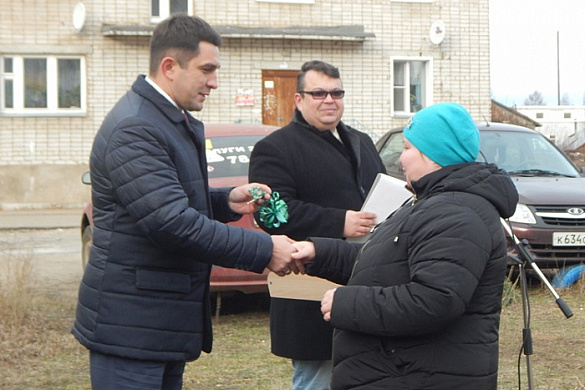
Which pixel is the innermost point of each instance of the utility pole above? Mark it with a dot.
(558, 74)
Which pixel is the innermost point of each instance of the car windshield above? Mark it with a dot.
(524, 154)
(519, 153)
(229, 156)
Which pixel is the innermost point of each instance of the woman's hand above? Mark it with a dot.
(305, 252)
(327, 304)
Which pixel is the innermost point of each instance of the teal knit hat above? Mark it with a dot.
(445, 133)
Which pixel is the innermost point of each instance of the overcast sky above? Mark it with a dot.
(523, 45)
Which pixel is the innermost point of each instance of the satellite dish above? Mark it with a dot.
(437, 32)
(79, 16)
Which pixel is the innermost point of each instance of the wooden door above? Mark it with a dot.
(278, 89)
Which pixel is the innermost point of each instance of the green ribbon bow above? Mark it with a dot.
(274, 211)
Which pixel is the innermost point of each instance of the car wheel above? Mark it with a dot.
(86, 241)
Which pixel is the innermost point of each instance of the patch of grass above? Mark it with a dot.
(38, 351)
(41, 353)
(16, 287)
(511, 292)
(558, 359)
(241, 357)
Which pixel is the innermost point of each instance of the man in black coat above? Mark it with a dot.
(143, 308)
(323, 170)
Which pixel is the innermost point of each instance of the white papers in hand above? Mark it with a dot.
(386, 195)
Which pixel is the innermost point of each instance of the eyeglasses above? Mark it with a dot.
(321, 95)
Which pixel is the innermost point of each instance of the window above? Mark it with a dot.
(35, 85)
(519, 152)
(288, 1)
(161, 9)
(412, 85)
(229, 156)
(390, 153)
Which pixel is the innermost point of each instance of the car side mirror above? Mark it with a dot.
(86, 178)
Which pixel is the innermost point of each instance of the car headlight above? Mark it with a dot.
(523, 215)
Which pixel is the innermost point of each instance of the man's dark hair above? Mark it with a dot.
(179, 36)
(317, 66)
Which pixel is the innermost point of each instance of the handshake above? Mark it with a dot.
(290, 256)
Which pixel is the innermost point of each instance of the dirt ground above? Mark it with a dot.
(55, 256)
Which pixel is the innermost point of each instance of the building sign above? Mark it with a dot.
(244, 97)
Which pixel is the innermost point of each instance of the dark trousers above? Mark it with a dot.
(116, 373)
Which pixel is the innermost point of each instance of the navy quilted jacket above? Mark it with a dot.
(145, 290)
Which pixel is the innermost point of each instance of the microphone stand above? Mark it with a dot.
(525, 257)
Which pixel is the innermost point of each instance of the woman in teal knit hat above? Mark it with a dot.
(420, 303)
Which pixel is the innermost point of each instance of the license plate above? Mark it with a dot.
(569, 239)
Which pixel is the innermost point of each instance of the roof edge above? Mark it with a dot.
(331, 33)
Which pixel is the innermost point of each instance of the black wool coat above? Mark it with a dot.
(319, 178)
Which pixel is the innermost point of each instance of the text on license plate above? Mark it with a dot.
(569, 239)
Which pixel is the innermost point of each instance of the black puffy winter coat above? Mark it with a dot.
(145, 290)
(422, 304)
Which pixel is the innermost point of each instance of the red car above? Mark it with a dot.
(228, 148)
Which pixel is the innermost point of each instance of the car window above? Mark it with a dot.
(229, 156)
(520, 152)
(390, 153)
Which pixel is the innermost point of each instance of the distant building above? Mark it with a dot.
(563, 124)
(504, 114)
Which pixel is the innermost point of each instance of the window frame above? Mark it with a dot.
(287, 1)
(428, 84)
(164, 10)
(412, 1)
(18, 88)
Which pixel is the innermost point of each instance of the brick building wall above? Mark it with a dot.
(42, 157)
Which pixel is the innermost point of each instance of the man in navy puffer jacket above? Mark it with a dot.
(143, 308)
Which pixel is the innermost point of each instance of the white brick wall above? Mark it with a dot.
(460, 63)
